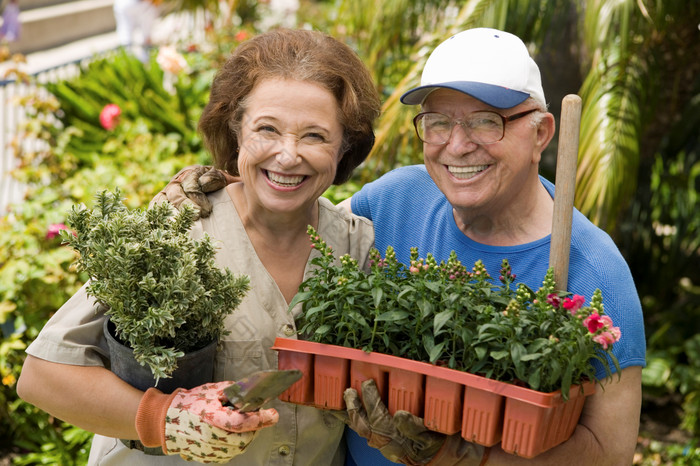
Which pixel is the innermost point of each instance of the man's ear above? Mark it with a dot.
(545, 131)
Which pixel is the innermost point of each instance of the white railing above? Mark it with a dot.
(13, 116)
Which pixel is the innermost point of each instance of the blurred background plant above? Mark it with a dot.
(634, 63)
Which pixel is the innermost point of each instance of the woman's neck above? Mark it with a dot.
(280, 241)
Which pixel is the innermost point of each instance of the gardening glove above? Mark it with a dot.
(403, 438)
(196, 425)
(191, 185)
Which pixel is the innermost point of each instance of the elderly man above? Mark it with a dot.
(484, 124)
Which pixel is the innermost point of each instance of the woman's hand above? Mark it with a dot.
(196, 425)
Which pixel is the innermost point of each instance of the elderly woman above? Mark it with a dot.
(290, 113)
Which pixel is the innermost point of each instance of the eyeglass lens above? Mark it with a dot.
(481, 127)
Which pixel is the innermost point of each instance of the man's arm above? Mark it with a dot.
(346, 204)
(606, 433)
(191, 185)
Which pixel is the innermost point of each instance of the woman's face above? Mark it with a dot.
(290, 140)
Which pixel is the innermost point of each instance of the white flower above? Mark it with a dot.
(170, 60)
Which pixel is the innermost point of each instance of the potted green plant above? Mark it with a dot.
(164, 295)
(501, 357)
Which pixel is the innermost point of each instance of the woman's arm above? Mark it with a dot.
(89, 397)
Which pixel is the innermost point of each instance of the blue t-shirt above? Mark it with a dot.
(409, 210)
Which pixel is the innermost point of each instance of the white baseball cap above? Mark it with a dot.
(490, 65)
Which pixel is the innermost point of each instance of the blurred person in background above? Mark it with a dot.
(11, 27)
(135, 20)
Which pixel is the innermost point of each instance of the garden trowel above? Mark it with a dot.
(250, 393)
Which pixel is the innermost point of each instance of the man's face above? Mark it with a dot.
(483, 178)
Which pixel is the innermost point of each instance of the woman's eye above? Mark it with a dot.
(266, 129)
(318, 137)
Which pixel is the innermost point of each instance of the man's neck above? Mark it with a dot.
(520, 222)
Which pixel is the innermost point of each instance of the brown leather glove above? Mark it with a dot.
(191, 185)
(403, 438)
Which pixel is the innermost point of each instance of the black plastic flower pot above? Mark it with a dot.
(193, 369)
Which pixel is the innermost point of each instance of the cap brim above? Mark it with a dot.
(495, 96)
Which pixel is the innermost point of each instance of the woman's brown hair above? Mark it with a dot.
(300, 55)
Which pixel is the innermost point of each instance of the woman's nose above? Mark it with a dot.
(287, 155)
(287, 158)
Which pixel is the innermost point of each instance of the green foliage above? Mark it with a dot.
(443, 314)
(35, 279)
(656, 453)
(140, 93)
(657, 234)
(59, 170)
(165, 294)
(338, 193)
(662, 242)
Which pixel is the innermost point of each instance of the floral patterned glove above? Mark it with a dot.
(195, 424)
(191, 185)
(403, 438)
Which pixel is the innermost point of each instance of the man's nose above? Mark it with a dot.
(460, 140)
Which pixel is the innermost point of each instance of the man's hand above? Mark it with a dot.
(196, 425)
(403, 438)
(191, 185)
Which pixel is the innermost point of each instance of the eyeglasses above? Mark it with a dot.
(483, 127)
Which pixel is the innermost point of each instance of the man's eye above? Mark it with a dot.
(484, 122)
(438, 124)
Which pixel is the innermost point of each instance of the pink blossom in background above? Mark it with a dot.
(54, 230)
(109, 116)
(170, 60)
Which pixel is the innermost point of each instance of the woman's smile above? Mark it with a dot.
(284, 181)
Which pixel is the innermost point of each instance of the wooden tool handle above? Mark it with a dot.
(567, 158)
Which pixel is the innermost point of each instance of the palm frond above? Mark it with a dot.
(609, 147)
(395, 139)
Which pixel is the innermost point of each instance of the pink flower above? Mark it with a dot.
(414, 269)
(607, 321)
(554, 300)
(607, 338)
(54, 230)
(593, 322)
(574, 304)
(241, 36)
(109, 116)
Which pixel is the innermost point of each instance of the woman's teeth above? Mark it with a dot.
(286, 181)
(464, 173)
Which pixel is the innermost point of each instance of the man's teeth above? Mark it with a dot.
(283, 180)
(466, 172)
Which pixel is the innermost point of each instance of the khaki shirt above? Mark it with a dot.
(303, 435)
